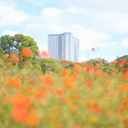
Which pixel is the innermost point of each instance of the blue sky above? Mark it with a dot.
(96, 23)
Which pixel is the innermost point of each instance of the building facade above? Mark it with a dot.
(63, 47)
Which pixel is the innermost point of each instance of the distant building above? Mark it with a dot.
(63, 46)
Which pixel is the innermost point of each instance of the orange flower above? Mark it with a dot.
(59, 91)
(65, 72)
(123, 88)
(48, 80)
(89, 84)
(88, 69)
(82, 64)
(57, 110)
(20, 114)
(5, 57)
(7, 73)
(26, 63)
(33, 119)
(69, 82)
(40, 95)
(21, 105)
(27, 53)
(126, 76)
(15, 82)
(113, 62)
(86, 126)
(45, 54)
(15, 57)
(74, 126)
(24, 111)
(30, 79)
(108, 82)
(121, 64)
(9, 64)
(98, 74)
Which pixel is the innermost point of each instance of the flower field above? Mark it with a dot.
(84, 96)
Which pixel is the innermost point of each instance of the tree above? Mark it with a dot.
(122, 62)
(125, 57)
(95, 61)
(7, 44)
(16, 43)
(50, 65)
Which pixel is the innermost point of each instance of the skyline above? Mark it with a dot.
(99, 25)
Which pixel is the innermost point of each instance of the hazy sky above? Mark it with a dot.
(97, 23)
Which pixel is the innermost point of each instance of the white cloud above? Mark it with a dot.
(9, 15)
(88, 37)
(51, 12)
(125, 42)
(123, 27)
(43, 47)
(12, 33)
(98, 5)
(82, 59)
(38, 2)
(9, 32)
(76, 10)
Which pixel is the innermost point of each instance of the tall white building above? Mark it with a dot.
(63, 46)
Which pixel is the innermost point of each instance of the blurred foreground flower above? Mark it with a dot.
(24, 110)
(5, 57)
(26, 63)
(15, 57)
(27, 53)
(65, 61)
(45, 54)
(9, 64)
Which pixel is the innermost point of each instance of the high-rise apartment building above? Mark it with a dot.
(63, 46)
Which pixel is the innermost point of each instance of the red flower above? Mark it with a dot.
(65, 61)
(124, 62)
(93, 49)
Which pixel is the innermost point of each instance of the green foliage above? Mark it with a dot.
(22, 42)
(50, 65)
(96, 61)
(108, 67)
(120, 60)
(67, 64)
(1, 52)
(16, 43)
(2, 64)
(125, 57)
(7, 44)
